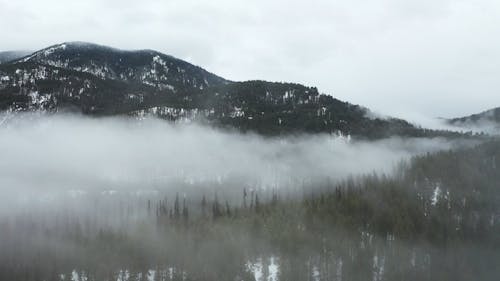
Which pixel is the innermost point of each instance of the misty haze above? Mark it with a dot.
(249, 141)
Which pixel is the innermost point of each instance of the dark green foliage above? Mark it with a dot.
(373, 228)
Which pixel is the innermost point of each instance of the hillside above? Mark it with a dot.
(488, 121)
(99, 80)
(12, 55)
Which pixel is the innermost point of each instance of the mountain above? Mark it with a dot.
(100, 80)
(491, 115)
(12, 55)
(97, 79)
(144, 66)
(488, 121)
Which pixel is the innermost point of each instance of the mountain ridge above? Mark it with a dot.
(8, 56)
(485, 121)
(101, 80)
(492, 114)
(148, 66)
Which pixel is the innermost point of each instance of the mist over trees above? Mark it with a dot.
(422, 210)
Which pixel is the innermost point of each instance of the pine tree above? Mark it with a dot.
(244, 198)
(185, 214)
(228, 209)
(204, 207)
(257, 204)
(177, 209)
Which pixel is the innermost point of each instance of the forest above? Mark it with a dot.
(435, 217)
(249, 140)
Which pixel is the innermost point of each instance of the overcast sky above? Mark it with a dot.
(404, 58)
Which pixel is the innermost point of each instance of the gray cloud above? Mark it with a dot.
(432, 58)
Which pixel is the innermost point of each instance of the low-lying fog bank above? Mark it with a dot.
(77, 154)
(115, 199)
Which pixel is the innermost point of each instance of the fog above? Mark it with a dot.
(77, 153)
(55, 162)
(479, 126)
(115, 197)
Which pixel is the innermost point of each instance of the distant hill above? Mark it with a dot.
(12, 55)
(488, 121)
(100, 80)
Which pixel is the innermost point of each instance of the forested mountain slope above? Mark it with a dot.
(488, 121)
(99, 80)
(12, 55)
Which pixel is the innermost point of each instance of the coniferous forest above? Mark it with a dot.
(436, 217)
(135, 165)
(249, 140)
